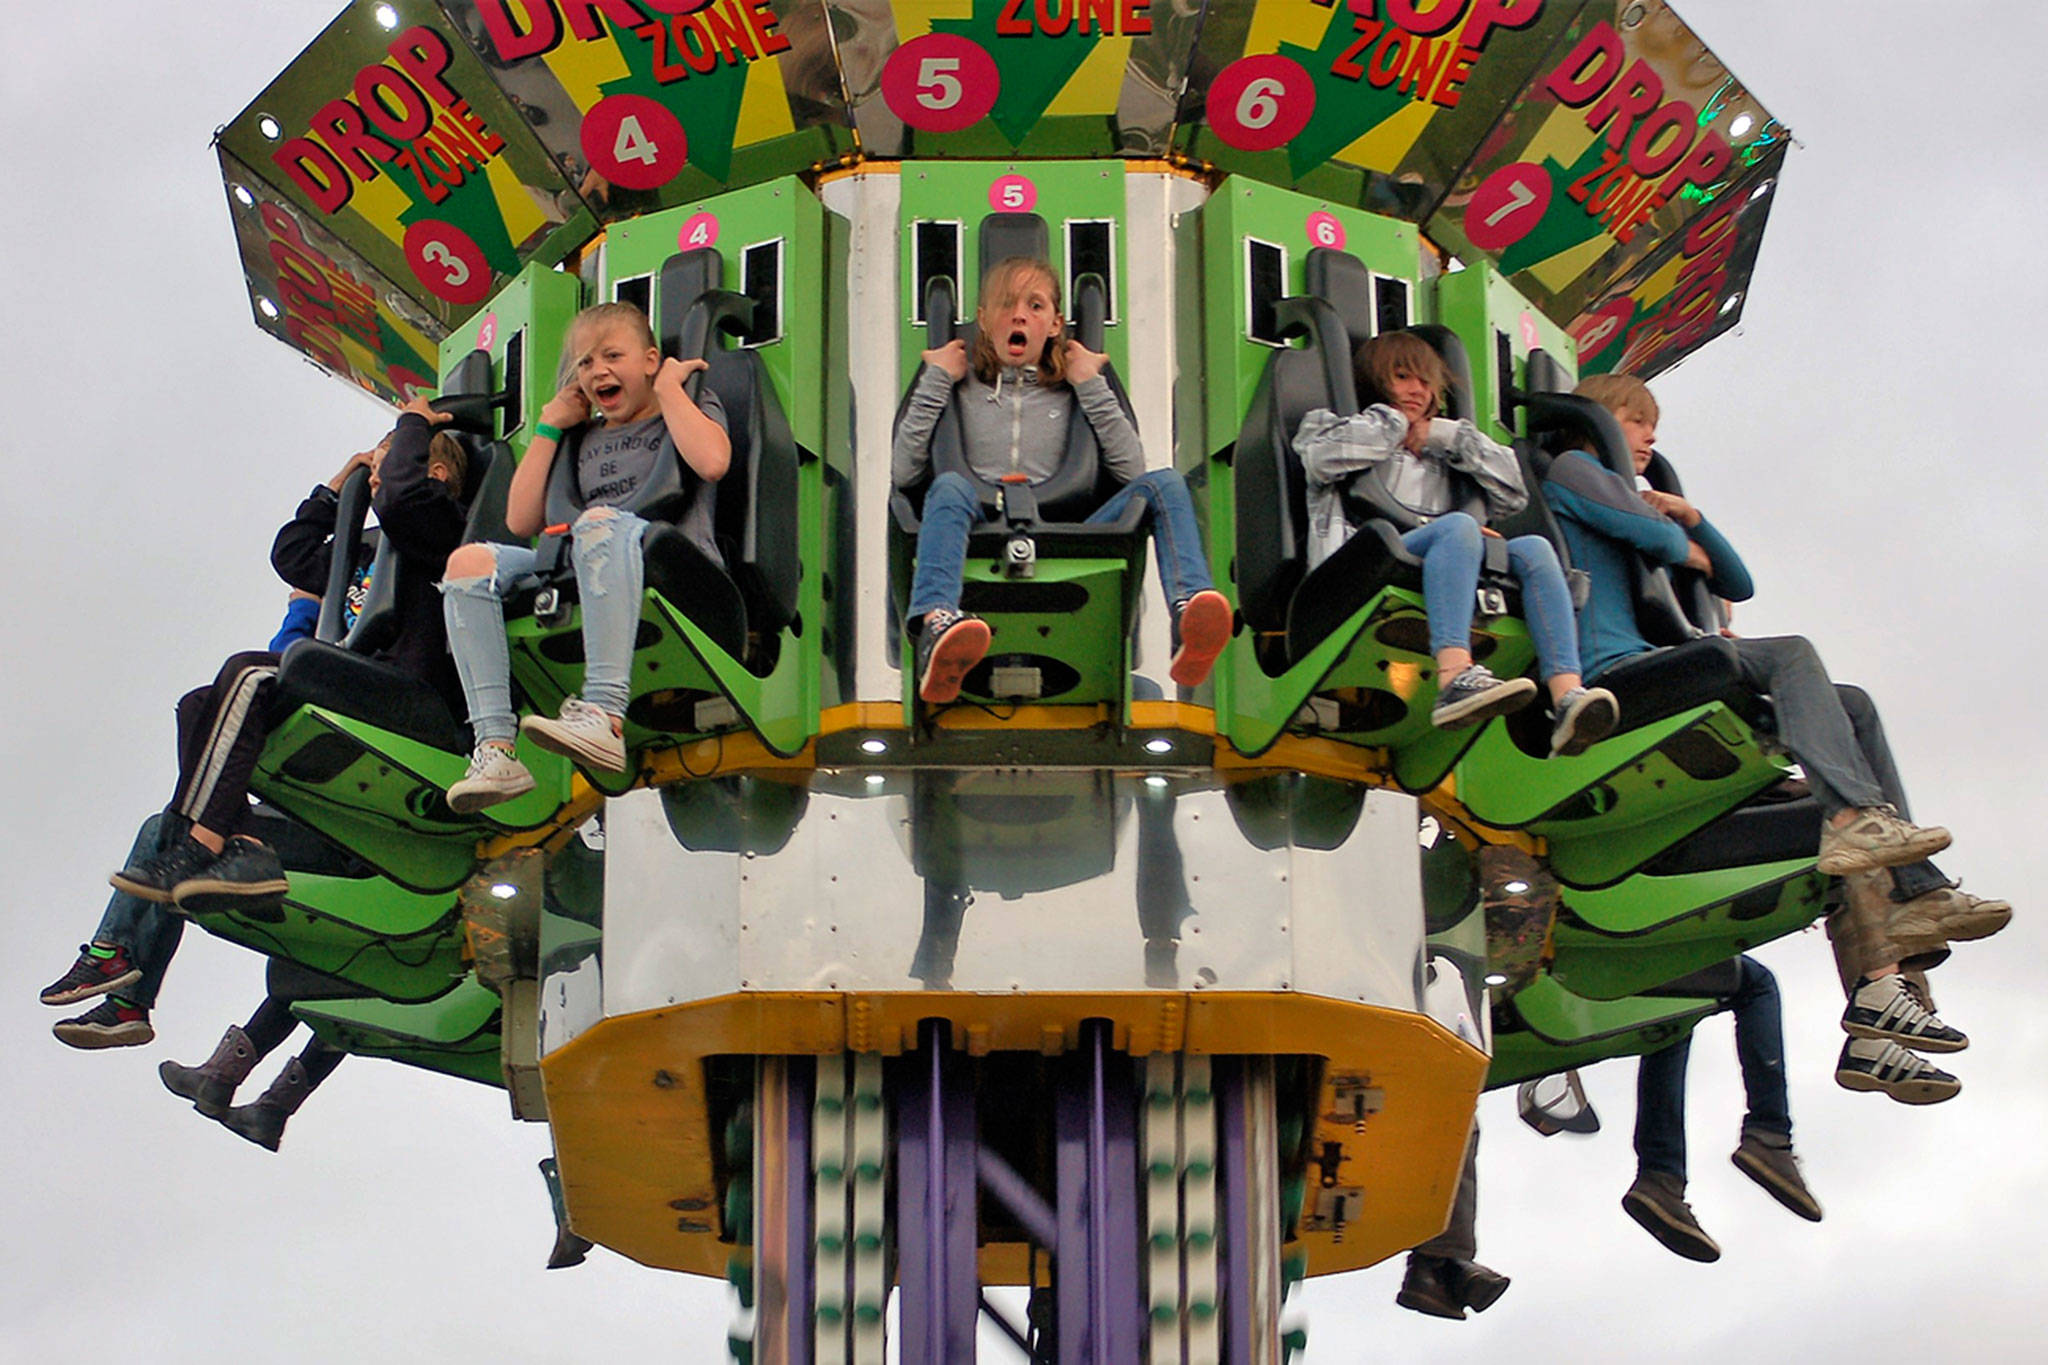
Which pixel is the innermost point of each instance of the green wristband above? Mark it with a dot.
(543, 429)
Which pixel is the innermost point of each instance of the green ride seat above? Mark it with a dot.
(1060, 595)
(456, 1033)
(1545, 1028)
(720, 648)
(363, 752)
(1744, 880)
(1350, 635)
(343, 922)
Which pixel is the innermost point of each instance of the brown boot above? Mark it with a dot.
(211, 1085)
(263, 1122)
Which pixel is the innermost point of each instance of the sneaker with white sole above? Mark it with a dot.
(1879, 1064)
(1201, 628)
(1585, 716)
(1886, 1008)
(1951, 914)
(494, 775)
(949, 645)
(1876, 837)
(113, 1022)
(92, 975)
(582, 732)
(1476, 696)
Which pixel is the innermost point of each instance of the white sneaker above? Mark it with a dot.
(493, 776)
(582, 732)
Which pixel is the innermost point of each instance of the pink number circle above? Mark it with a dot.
(940, 83)
(447, 261)
(1604, 326)
(487, 332)
(634, 142)
(1325, 230)
(1259, 103)
(1507, 206)
(701, 229)
(1012, 194)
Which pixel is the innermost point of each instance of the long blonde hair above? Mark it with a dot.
(999, 289)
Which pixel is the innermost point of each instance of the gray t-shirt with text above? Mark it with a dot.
(612, 463)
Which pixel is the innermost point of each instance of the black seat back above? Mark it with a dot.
(755, 518)
(1542, 375)
(1082, 481)
(1695, 598)
(1271, 490)
(1341, 280)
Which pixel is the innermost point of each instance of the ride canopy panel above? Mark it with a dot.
(414, 158)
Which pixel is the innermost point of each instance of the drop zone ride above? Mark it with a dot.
(1154, 1000)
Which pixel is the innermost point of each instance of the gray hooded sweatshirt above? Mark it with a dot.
(1014, 426)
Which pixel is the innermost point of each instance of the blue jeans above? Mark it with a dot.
(605, 546)
(1452, 549)
(148, 931)
(952, 506)
(1759, 1046)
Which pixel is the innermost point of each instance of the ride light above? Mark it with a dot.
(387, 17)
(1159, 745)
(1760, 191)
(876, 779)
(1729, 306)
(269, 127)
(1514, 888)
(266, 307)
(874, 746)
(242, 196)
(1743, 123)
(504, 891)
(1155, 781)
(1496, 978)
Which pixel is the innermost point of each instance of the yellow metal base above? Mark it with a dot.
(627, 1103)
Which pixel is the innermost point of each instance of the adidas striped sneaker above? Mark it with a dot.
(1885, 1008)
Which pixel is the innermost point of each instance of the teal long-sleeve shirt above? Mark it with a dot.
(1604, 520)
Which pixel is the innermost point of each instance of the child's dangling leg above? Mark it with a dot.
(1583, 715)
(950, 642)
(472, 603)
(605, 543)
(1467, 693)
(1201, 615)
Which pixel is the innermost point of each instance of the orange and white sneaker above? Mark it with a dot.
(949, 647)
(1201, 628)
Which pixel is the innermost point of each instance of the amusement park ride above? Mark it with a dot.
(1153, 1003)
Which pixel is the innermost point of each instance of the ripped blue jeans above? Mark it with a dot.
(605, 547)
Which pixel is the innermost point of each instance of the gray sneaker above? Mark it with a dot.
(1585, 716)
(1475, 696)
(1880, 1064)
(1875, 838)
(1657, 1201)
(1768, 1160)
(1949, 914)
(582, 732)
(494, 775)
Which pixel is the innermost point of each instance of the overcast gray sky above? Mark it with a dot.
(1864, 439)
